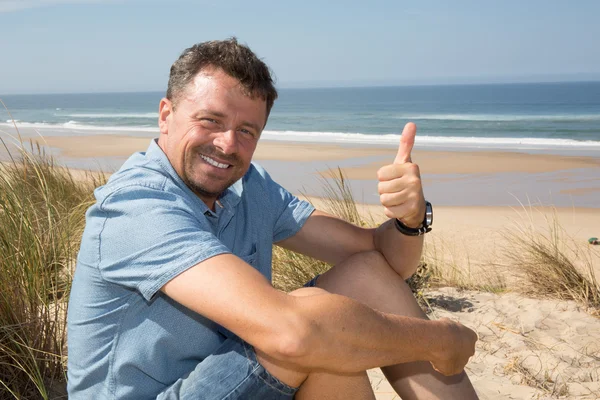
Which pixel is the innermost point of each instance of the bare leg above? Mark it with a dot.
(368, 278)
(318, 385)
(325, 386)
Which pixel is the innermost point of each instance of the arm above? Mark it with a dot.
(324, 330)
(332, 240)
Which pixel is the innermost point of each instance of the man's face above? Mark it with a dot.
(212, 133)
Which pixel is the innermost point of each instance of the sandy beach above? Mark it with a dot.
(529, 348)
(430, 162)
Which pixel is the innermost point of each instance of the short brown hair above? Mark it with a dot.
(235, 59)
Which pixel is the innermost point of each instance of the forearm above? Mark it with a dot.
(339, 334)
(402, 252)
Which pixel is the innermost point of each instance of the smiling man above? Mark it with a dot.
(172, 295)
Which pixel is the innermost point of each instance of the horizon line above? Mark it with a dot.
(333, 86)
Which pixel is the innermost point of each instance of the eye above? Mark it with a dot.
(247, 132)
(209, 122)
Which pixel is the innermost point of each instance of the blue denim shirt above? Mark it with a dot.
(126, 338)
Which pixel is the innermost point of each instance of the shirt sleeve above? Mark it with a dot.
(290, 213)
(150, 236)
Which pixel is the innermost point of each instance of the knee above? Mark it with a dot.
(375, 261)
(359, 269)
(371, 262)
(373, 257)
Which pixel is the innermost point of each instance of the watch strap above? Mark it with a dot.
(411, 231)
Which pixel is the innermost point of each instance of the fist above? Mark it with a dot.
(400, 189)
(456, 346)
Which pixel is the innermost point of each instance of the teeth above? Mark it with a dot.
(213, 162)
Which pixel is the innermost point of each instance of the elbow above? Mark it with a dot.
(291, 342)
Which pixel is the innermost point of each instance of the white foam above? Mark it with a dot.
(499, 117)
(392, 139)
(116, 115)
(357, 138)
(74, 125)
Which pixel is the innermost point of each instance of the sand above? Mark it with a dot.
(99, 146)
(528, 348)
(483, 162)
(450, 178)
(431, 162)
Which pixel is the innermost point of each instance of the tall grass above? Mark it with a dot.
(292, 270)
(452, 266)
(552, 264)
(42, 211)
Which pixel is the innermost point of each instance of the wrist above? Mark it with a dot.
(411, 224)
(432, 346)
(439, 346)
(412, 229)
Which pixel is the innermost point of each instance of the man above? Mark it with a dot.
(172, 295)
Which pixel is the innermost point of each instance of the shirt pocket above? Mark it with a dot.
(251, 257)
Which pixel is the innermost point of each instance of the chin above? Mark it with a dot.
(205, 188)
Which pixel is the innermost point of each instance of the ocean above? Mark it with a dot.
(514, 116)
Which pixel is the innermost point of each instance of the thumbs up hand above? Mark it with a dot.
(400, 189)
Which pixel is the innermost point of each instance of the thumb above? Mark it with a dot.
(407, 141)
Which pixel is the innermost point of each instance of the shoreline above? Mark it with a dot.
(532, 145)
(82, 145)
(466, 177)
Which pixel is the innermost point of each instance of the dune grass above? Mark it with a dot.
(42, 211)
(452, 266)
(552, 264)
(292, 270)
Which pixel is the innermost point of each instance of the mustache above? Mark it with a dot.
(213, 152)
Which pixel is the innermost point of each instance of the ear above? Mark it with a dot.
(165, 110)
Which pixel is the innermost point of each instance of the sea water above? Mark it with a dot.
(512, 116)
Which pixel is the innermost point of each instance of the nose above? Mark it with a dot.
(227, 141)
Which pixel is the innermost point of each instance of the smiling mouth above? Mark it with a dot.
(214, 163)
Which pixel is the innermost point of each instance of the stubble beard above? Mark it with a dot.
(201, 189)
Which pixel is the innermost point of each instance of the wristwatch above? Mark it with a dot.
(425, 225)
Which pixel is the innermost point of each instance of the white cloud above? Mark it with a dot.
(15, 5)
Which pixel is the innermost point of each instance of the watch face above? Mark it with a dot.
(428, 214)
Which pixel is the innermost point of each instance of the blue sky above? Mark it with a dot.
(64, 46)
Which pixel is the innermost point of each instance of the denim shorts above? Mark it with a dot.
(312, 282)
(231, 372)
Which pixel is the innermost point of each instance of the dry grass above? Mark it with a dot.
(552, 264)
(541, 379)
(339, 200)
(453, 267)
(292, 270)
(42, 216)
